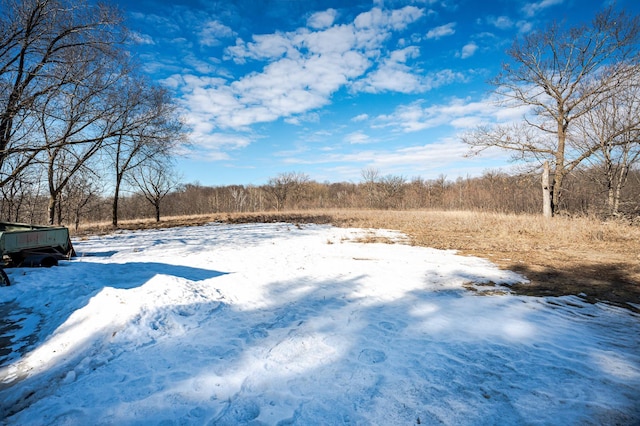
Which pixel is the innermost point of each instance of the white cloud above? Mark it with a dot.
(395, 20)
(139, 38)
(416, 159)
(500, 22)
(393, 75)
(157, 21)
(212, 32)
(442, 78)
(458, 113)
(360, 117)
(321, 20)
(442, 31)
(524, 26)
(263, 47)
(438, 153)
(357, 138)
(211, 145)
(530, 9)
(468, 50)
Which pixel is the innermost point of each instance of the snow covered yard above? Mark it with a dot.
(279, 324)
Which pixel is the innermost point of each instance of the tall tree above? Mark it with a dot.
(148, 127)
(76, 120)
(614, 128)
(558, 75)
(41, 42)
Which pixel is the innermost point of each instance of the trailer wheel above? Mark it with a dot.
(4, 279)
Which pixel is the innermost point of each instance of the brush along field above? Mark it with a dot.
(600, 261)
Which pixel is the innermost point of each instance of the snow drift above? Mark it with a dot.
(279, 324)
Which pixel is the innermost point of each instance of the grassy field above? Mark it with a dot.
(600, 261)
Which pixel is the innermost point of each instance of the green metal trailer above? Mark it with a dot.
(33, 245)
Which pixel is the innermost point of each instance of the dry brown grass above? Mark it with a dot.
(560, 256)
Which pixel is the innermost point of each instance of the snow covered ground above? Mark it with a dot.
(277, 324)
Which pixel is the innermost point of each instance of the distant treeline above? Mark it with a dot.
(494, 191)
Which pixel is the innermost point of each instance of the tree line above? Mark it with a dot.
(494, 191)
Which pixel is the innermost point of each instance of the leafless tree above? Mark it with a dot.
(239, 197)
(285, 186)
(154, 179)
(82, 195)
(42, 44)
(614, 128)
(559, 75)
(148, 127)
(392, 189)
(76, 121)
(371, 182)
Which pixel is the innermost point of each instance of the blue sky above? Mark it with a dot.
(330, 88)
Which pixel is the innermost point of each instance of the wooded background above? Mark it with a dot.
(494, 191)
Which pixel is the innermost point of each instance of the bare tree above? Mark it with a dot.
(560, 74)
(41, 41)
(285, 186)
(155, 180)
(148, 128)
(14, 195)
(614, 128)
(75, 122)
(392, 189)
(82, 195)
(371, 183)
(239, 197)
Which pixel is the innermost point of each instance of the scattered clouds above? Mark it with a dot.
(442, 31)
(417, 159)
(305, 67)
(242, 78)
(156, 21)
(458, 113)
(395, 20)
(437, 154)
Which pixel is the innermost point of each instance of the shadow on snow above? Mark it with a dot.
(322, 351)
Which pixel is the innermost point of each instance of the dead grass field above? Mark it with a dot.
(600, 261)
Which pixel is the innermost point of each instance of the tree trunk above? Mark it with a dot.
(51, 210)
(546, 192)
(619, 184)
(114, 206)
(157, 206)
(59, 208)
